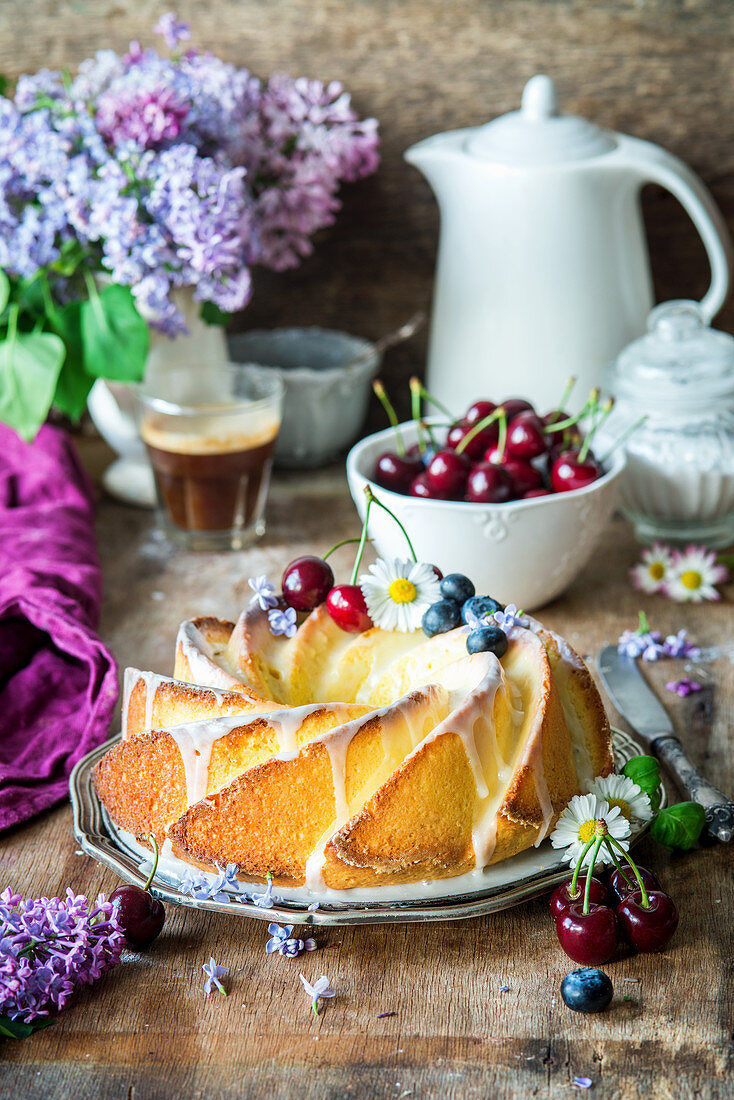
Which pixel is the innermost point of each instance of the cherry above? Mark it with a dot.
(447, 472)
(525, 436)
(516, 405)
(139, 914)
(561, 899)
(306, 582)
(619, 889)
(395, 472)
(345, 603)
(555, 417)
(531, 493)
(478, 411)
(651, 928)
(524, 476)
(456, 434)
(420, 487)
(569, 471)
(589, 938)
(478, 444)
(496, 455)
(488, 484)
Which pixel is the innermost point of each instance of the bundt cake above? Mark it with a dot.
(339, 760)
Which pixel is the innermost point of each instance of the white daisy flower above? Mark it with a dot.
(694, 574)
(398, 593)
(652, 572)
(577, 825)
(619, 790)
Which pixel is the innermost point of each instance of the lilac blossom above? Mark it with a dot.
(172, 29)
(319, 989)
(264, 592)
(213, 973)
(677, 645)
(684, 687)
(508, 618)
(284, 943)
(282, 622)
(48, 946)
(265, 901)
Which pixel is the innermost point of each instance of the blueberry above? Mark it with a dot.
(587, 990)
(455, 586)
(481, 606)
(440, 617)
(487, 639)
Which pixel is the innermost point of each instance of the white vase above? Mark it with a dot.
(112, 404)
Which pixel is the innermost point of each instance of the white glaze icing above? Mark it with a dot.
(204, 670)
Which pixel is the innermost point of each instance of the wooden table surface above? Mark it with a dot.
(147, 1030)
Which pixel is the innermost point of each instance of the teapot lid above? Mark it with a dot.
(537, 134)
(678, 363)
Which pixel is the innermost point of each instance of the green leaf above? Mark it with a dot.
(679, 826)
(29, 369)
(4, 290)
(115, 336)
(74, 384)
(16, 1029)
(70, 257)
(213, 315)
(645, 772)
(4, 83)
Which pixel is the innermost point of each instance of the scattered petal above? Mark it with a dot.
(582, 1082)
(213, 973)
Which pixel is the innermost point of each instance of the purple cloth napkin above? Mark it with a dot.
(58, 683)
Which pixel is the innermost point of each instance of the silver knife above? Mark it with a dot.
(639, 705)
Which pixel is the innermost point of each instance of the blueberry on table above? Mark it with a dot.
(587, 990)
(487, 639)
(455, 586)
(481, 606)
(441, 617)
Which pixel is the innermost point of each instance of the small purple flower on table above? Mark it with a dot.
(683, 687)
(582, 1082)
(172, 29)
(282, 622)
(677, 645)
(213, 973)
(265, 901)
(264, 590)
(285, 944)
(319, 989)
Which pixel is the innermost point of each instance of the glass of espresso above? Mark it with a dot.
(210, 438)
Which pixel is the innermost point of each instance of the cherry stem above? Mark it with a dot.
(598, 841)
(363, 536)
(372, 499)
(151, 840)
(561, 425)
(573, 889)
(622, 439)
(502, 438)
(567, 392)
(415, 409)
(618, 865)
(605, 411)
(381, 395)
(417, 385)
(429, 432)
(643, 626)
(342, 543)
(613, 841)
(479, 427)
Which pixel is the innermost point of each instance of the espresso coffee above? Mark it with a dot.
(210, 482)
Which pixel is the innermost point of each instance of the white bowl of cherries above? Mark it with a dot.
(511, 498)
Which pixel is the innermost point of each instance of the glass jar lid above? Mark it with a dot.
(678, 363)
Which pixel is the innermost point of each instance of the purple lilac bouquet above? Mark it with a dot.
(143, 174)
(48, 946)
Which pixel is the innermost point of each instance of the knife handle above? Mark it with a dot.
(719, 809)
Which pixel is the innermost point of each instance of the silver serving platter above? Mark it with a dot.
(521, 878)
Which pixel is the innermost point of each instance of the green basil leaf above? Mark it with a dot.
(679, 826)
(645, 772)
(16, 1029)
(213, 315)
(74, 384)
(29, 369)
(115, 336)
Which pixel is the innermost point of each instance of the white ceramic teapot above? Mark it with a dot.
(543, 269)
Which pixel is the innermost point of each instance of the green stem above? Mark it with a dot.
(622, 439)
(478, 427)
(342, 543)
(598, 841)
(415, 409)
(643, 626)
(152, 840)
(372, 499)
(577, 870)
(564, 398)
(315, 1007)
(429, 432)
(618, 865)
(613, 841)
(381, 395)
(363, 536)
(606, 410)
(423, 392)
(502, 437)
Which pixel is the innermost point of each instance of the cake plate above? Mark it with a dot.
(501, 886)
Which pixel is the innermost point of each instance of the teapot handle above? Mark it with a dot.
(655, 165)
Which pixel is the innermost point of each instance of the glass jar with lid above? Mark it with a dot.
(679, 482)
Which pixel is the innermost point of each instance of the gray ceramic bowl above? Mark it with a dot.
(325, 401)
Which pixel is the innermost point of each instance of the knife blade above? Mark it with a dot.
(639, 705)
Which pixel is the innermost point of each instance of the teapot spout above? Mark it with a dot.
(437, 157)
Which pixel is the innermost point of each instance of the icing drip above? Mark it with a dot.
(288, 722)
(130, 678)
(203, 669)
(195, 741)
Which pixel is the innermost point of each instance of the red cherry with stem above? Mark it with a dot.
(524, 476)
(395, 472)
(345, 603)
(479, 443)
(488, 484)
(306, 582)
(555, 417)
(455, 436)
(139, 914)
(447, 472)
(419, 487)
(525, 436)
(562, 899)
(516, 405)
(620, 889)
(478, 411)
(590, 938)
(532, 493)
(648, 928)
(569, 471)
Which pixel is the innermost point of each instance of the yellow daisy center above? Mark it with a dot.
(623, 806)
(402, 591)
(587, 830)
(691, 579)
(657, 570)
